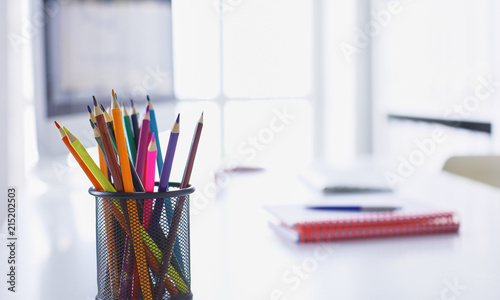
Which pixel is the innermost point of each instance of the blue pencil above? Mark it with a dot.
(154, 129)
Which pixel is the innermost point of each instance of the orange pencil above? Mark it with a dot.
(121, 144)
(84, 167)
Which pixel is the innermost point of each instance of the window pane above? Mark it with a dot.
(433, 55)
(267, 48)
(196, 49)
(269, 132)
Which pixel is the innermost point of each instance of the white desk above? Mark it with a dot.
(235, 255)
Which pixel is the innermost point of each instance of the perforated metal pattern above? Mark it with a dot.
(131, 243)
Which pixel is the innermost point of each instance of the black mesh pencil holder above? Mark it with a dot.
(133, 234)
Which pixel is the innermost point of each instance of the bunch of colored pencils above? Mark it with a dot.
(129, 154)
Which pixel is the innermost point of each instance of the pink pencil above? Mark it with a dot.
(149, 180)
(142, 148)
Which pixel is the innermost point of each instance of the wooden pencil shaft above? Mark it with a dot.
(82, 164)
(192, 154)
(135, 125)
(142, 149)
(121, 145)
(109, 152)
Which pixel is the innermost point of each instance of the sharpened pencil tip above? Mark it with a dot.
(95, 101)
(178, 116)
(89, 109)
(57, 124)
(131, 103)
(201, 118)
(114, 103)
(152, 143)
(147, 97)
(175, 128)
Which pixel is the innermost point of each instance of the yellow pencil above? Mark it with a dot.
(87, 159)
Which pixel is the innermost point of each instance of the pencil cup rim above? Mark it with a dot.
(143, 195)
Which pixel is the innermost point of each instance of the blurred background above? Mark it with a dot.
(282, 83)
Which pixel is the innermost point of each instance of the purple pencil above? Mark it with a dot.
(164, 179)
(142, 148)
(169, 157)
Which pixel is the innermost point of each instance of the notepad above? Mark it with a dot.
(301, 224)
(335, 180)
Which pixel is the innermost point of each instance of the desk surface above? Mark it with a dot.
(235, 255)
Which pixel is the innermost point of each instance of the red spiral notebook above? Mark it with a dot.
(301, 224)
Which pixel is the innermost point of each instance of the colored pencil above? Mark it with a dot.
(154, 129)
(129, 188)
(103, 164)
(164, 181)
(91, 114)
(143, 146)
(169, 157)
(155, 227)
(128, 260)
(82, 164)
(134, 117)
(121, 145)
(149, 180)
(130, 134)
(109, 124)
(179, 206)
(108, 148)
(110, 154)
(192, 154)
(113, 236)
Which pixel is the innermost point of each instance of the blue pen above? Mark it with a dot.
(354, 208)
